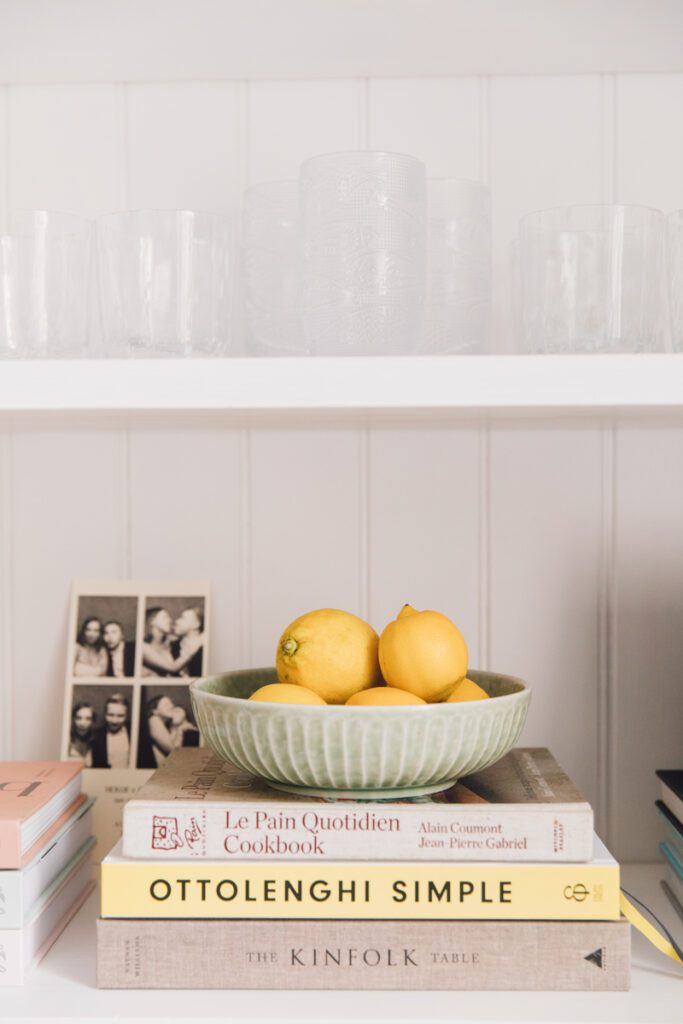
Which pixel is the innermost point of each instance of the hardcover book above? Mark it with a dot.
(543, 955)
(33, 794)
(523, 808)
(20, 948)
(340, 889)
(671, 787)
(21, 889)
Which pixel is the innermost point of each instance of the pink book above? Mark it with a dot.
(33, 795)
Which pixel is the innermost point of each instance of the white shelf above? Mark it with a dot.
(62, 990)
(507, 385)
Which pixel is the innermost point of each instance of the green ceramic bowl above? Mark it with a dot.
(358, 752)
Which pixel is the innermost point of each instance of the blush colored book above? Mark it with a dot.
(196, 806)
(589, 956)
(33, 795)
(21, 889)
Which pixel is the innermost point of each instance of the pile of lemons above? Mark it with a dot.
(330, 656)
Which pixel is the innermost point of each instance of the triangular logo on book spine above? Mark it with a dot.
(595, 958)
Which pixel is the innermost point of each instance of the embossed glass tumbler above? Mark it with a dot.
(166, 282)
(271, 269)
(363, 226)
(458, 304)
(44, 273)
(591, 279)
(675, 276)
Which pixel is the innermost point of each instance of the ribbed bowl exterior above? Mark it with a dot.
(357, 747)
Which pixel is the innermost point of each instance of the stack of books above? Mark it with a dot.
(499, 883)
(45, 869)
(670, 806)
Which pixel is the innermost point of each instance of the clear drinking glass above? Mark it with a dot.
(675, 276)
(458, 303)
(166, 282)
(363, 225)
(272, 277)
(44, 274)
(591, 279)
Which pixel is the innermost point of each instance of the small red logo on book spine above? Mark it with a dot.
(165, 834)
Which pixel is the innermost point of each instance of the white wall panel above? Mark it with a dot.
(647, 696)
(545, 584)
(4, 182)
(66, 148)
(305, 529)
(185, 521)
(185, 146)
(424, 526)
(68, 521)
(649, 142)
(6, 600)
(545, 151)
(290, 121)
(438, 120)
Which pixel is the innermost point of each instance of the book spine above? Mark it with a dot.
(11, 902)
(169, 830)
(365, 890)
(10, 844)
(532, 955)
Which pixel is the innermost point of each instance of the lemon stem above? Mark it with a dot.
(290, 646)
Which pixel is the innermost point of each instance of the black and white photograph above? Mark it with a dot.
(105, 641)
(100, 727)
(173, 638)
(166, 723)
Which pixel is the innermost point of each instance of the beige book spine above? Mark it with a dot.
(437, 955)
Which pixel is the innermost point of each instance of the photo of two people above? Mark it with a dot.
(107, 642)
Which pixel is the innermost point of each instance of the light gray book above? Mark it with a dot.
(448, 955)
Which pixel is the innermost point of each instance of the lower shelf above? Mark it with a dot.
(62, 989)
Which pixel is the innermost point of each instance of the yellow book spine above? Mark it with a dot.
(436, 891)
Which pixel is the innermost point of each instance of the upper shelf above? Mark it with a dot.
(507, 385)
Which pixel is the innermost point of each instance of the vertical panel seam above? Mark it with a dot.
(606, 698)
(7, 662)
(8, 196)
(484, 123)
(125, 148)
(608, 141)
(245, 588)
(364, 113)
(128, 501)
(484, 544)
(364, 501)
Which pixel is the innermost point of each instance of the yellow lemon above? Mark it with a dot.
(280, 693)
(467, 689)
(383, 696)
(424, 653)
(331, 652)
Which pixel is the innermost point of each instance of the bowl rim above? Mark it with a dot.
(313, 709)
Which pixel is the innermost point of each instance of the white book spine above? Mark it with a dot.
(20, 889)
(246, 831)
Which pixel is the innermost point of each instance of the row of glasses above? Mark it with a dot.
(364, 255)
(339, 263)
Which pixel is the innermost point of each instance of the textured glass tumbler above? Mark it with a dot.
(675, 276)
(166, 282)
(363, 226)
(272, 276)
(458, 303)
(591, 279)
(44, 275)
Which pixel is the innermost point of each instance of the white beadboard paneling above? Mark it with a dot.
(545, 151)
(65, 148)
(649, 143)
(290, 121)
(6, 604)
(185, 514)
(305, 529)
(647, 698)
(436, 119)
(545, 583)
(424, 525)
(184, 146)
(68, 521)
